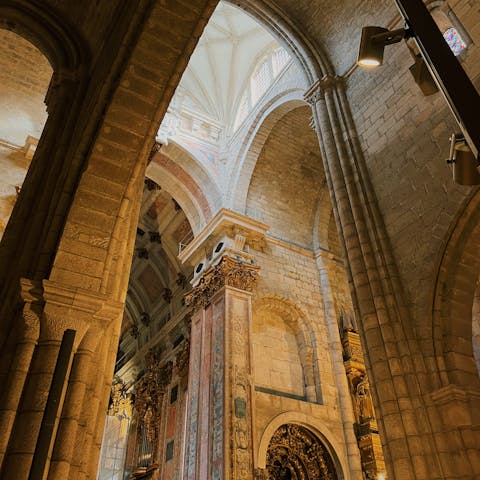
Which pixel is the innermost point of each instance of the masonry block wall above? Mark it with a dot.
(285, 187)
(289, 299)
(404, 137)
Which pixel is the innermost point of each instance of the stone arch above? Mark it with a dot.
(206, 183)
(315, 426)
(65, 50)
(297, 321)
(453, 298)
(69, 56)
(312, 59)
(178, 172)
(255, 141)
(284, 186)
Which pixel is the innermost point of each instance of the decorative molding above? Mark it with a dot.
(228, 272)
(226, 223)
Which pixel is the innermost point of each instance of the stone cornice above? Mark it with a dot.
(227, 272)
(227, 222)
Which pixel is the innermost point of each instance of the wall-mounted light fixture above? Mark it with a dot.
(451, 79)
(373, 42)
(463, 162)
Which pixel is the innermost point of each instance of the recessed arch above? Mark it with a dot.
(255, 141)
(453, 299)
(311, 423)
(304, 332)
(65, 50)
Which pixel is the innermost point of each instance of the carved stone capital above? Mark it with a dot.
(66, 308)
(317, 91)
(227, 272)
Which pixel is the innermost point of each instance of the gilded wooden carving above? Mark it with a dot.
(295, 453)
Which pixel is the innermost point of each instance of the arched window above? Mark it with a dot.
(264, 75)
(451, 28)
(454, 40)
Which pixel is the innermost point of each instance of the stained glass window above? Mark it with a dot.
(455, 41)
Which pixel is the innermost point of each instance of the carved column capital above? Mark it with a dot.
(317, 90)
(227, 272)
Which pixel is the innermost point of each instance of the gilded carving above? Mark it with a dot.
(121, 402)
(366, 428)
(260, 474)
(149, 395)
(182, 359)
(228, 272)
(364, 400)
(297, 454)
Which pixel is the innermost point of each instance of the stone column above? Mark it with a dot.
(61, 310)
(219, 426)
(348, 419)
(393, 358)
(22, 357)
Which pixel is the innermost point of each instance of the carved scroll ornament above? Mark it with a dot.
(182, 359)
(228, 272)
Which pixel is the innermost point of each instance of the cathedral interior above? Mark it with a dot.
(229, 250)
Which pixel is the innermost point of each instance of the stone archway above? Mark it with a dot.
(295, 453)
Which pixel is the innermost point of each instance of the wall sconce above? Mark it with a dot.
(373, 43)
(464, 165)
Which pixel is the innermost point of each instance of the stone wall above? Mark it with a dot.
(284, 189)
(404, 137)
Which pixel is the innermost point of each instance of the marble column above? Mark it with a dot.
(219, 425)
